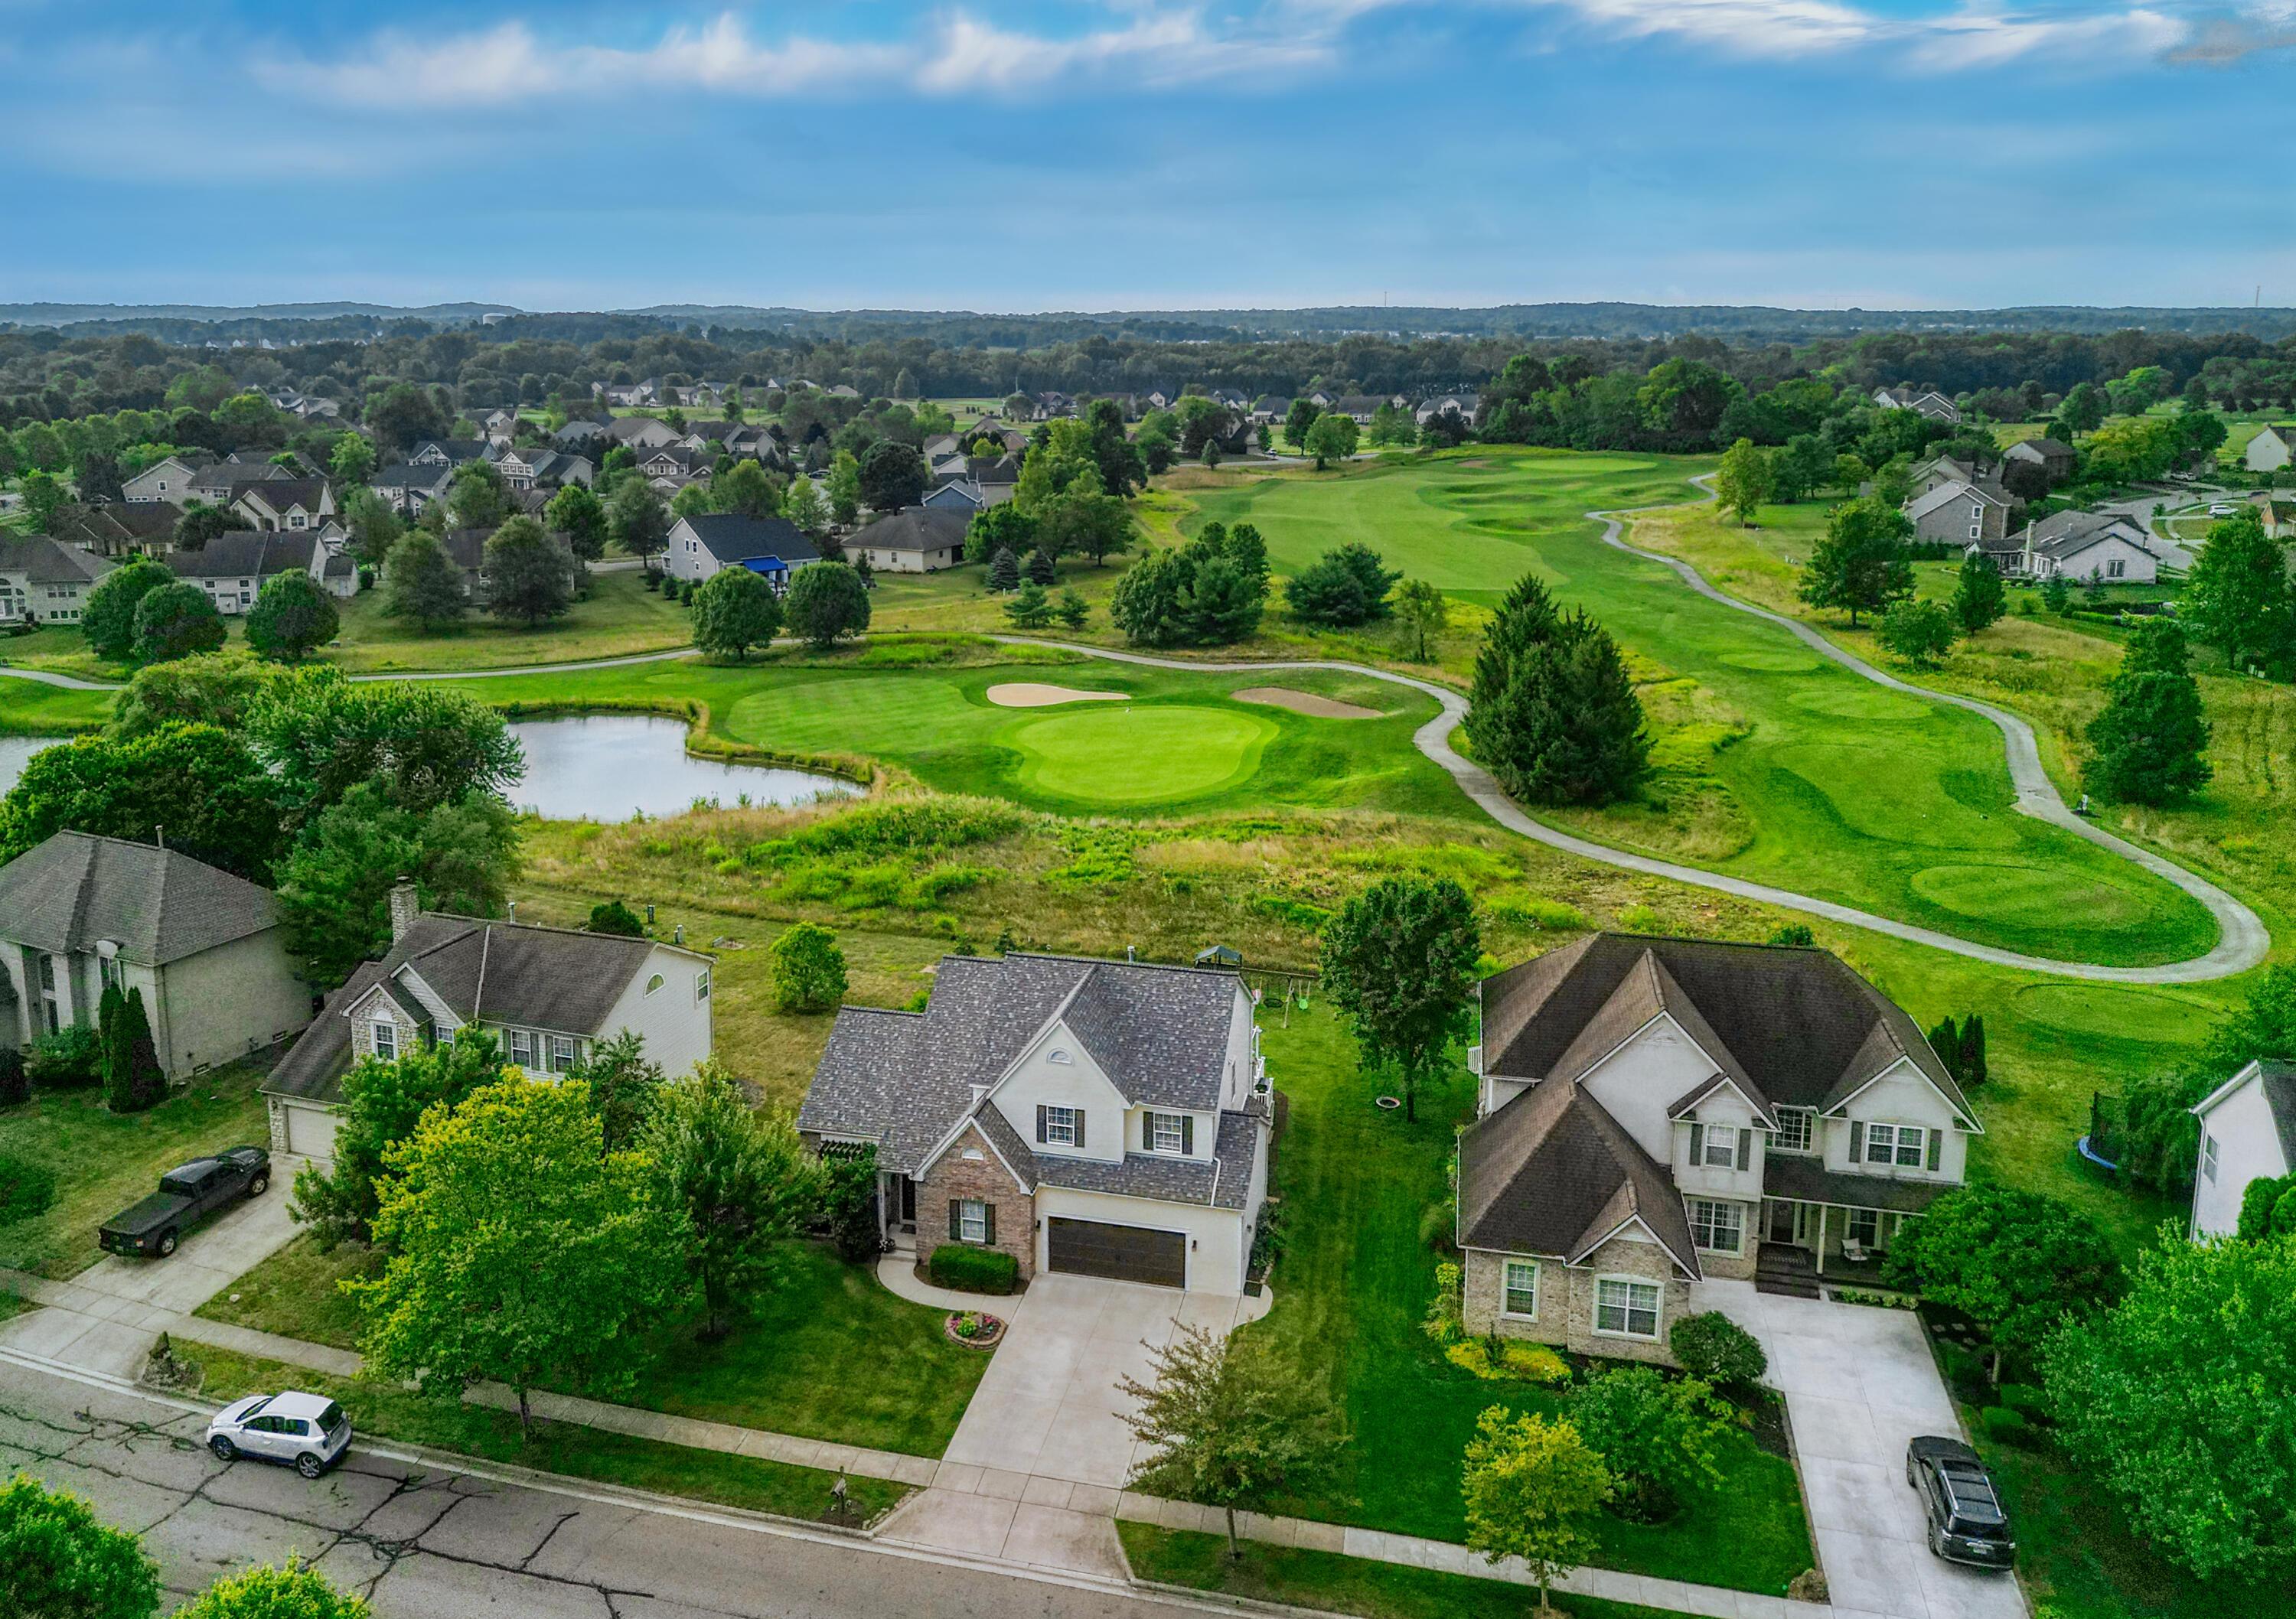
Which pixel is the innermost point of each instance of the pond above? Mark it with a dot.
(610, 766)
(15, 751)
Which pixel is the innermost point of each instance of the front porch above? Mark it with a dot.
(1808, 1246)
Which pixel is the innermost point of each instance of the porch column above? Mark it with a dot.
(1821, 1237)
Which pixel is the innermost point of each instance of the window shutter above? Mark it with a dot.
(1188, 1133)
(955, 1219)
(1935, 1137)
(1040, 1123)
(1745, 1148)
(1697, 1144)
(1856, 1141)
(989, 1224)
(1080, 1123)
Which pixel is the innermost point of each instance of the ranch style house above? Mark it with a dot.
(1103, 1118)
(1652, 1112)
(548, 996)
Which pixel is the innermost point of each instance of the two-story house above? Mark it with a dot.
(1955, 512)
(708, 542)
(231, 568)
(165, 481)
(1929, 402)
(80, 913)
(286, 504)
(547, 994)
(1652, 1112)
(1103, 1118)
(537, 466)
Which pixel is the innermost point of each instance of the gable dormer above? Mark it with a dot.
(1060, 1100)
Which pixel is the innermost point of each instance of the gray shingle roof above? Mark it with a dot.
(1808, 1180)
(734, 539)
(917, 529)
(243, 553)
(42, 561)
(514, 972)
(315, 1065)
(1799, 1024)
(158, 906)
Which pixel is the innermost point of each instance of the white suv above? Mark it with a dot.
(308, 1432)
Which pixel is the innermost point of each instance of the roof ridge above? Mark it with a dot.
(1045, 955)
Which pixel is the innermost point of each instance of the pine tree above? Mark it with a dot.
(111, 1049)
(1221, 605)
(1945, 1040)
(1004, 570)
(1970, 1069)
(1040, 568)
(1978, 599)
(1553, 713)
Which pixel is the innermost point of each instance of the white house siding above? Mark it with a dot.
(1901, 1096)
(1036, 1080)
(914, 561)
(2267, 452)
(2138, 565)
(2247, 1147)
(676, 1020)
(222, 1004)
(307, 1128)
(1638, 1082)
(1219, 1238)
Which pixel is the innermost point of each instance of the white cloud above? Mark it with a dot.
(1977, 34)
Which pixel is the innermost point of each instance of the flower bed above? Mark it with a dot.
(973, 1330)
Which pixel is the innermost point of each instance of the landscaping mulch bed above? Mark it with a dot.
(991, 1335)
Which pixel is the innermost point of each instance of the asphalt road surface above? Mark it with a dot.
(424, 1542)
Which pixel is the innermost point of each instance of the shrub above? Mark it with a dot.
(2026, 1399)
(1498, 1359)
(67, 1059)
(15, 1085)
(972, 1269)
(1718, 1349)
(849, 1204)
(1442, 1322)
(1998, 1422)
(26, 1188)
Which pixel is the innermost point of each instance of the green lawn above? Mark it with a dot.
(105, 1161)
(1179, 743)
(1341, 1584)
(389, 1412)
(1776, 764)
(1352, 1288)
(833, 1355)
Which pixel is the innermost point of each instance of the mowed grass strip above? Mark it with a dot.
(1181, 743)
(1845, 791)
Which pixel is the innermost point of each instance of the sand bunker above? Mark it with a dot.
(1303, 702)
(1031, 694)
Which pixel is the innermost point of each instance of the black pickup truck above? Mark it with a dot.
(186, 1196)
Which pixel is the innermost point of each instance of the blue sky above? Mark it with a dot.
(1049, 154)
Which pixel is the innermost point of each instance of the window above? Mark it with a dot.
(1721, 1151)
(1717, 1228)
(1794, 1131)
(1518, 1289)
(1058, 1055)
(110, 970)
(1061, 1126)
(1896, 1144)
(385, 1036)
(2209, 1156)
(1167, 1132)
(972, 1220)
(521, 1048)
(1977, 531)
(2115, 568)
(1865, 1227)
(1625, 1308)
(702, 985)
(561, 1053)
(654, 983)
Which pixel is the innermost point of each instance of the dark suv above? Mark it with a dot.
(1967, 1522)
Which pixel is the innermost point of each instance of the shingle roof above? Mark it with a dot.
(411, 475)
(315, 1065)
(2279, 1082)
(43, 560)
(2045, 447)
(1947, 494)
(1553, 1172)
(158, 906)
(1799, 1024)
(1807, 1181)
(113, 523)
(279, 494)
(733, 539)
(456, 450)
(917, 529)
(243, 553)
(514, 972)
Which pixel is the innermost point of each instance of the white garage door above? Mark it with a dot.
(311, 1131)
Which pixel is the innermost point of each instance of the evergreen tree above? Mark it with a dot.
(111, 1049)
(1862, 563)
(1249, 551)
(1071, 608)
(1004, 570)
(1147, 603)
(1040, 569)
(1552, 713)
(2151, 740)
(1030, 608)
(1220, 604)
(1970, 1069)
(1978, 599)
(1945, 1040)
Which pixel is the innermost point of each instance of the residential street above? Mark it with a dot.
(425, 1543)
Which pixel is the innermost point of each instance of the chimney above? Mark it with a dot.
(405, 907)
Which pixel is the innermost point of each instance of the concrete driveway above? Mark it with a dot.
(1860, 1383)
(1049, 1406)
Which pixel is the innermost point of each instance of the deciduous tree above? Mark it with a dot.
(1862, 564)
(292, 617)
(624, 1083)
(1332, 437)
(827, 603)
(108, 619)
(421, 583)
(809, 969)
(2017, 1262)
(1399, 960)
(577, 514)
(733, 610)
(1532, 1488)
(477, 496)
(892, 475)
(1918, 633)
(198, 784)
(382, 1103)
(529, 574)
(1978, 598)
(1746, 480)
(636, 518)
(2238, 597)
(57, 1560)
(1424, 612)
(176, 621)
(422, 744)
(1659, 1436)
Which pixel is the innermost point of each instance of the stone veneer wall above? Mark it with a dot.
(1566, 1301)
(954, 1176)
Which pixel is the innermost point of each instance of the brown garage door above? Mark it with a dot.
(1122, 1253)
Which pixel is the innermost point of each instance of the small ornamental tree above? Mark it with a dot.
(1400, 960)
(809, 969)
(1918, 634)
(1532, 1488)
(744, 1181)
(1659, 1436)
(827, 603)
(291, 1592)
(529, 574)
(1861, 564)
(2151, 739)
(108, 619)
(421, 583)
(1228, 1423)
(177, 621)
(292, 617)
(734, 609)
(2175, 1399)
(57, 1560)
(521, 1251)
(2017, 1262)
(1553, 713)
(1424, 612)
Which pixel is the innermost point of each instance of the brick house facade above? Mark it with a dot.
(969, 1171)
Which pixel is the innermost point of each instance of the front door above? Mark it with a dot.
(908, 1201)
(1782, 1221)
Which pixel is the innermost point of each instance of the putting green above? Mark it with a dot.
(2028, 895)
(1867, 703)
(2149, 1017)
(1143, 755)
(1771, 663)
